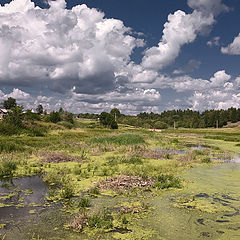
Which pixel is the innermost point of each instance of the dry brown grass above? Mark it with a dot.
(56, 157)
(124, 182)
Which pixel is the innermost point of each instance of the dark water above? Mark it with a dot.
(21, 200)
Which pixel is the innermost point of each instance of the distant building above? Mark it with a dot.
(3, 112)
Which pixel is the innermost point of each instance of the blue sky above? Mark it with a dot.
(138, 55)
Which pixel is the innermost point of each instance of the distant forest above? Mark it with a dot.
(177, 118)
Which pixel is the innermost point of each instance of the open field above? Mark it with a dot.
(95, 183)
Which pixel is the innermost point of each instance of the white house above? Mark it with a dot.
(3, 112)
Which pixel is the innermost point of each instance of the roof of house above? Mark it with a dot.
(3, 110)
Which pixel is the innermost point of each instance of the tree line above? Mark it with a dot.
(178, 118)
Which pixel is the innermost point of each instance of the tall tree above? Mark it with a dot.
(10, 103)
(39, 109)
(15, 116)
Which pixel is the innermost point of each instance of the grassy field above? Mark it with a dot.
(88, 162)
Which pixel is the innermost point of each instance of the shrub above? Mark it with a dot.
(167, 181)
(108, 120)
(66, 124)
(10, 103)
(30, 116)
(8, 128)
(15, 116)
(35, 130)
(160, 125)
(54, 117)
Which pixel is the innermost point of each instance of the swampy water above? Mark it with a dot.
(208, 207)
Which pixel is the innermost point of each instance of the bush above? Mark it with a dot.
(8, 128)
(30, 116)
(66, 124)
(167, 181)
(160, 125)
(108, 120)
(35, 130)
(15, 116)
(54, 117)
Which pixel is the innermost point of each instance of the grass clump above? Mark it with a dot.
(7, 146)
(100, 220)
(7, 168)
(84, 202)
(112, 161)
(206, 160)
(94, 191)
(67, 191)
(8, 129)
(167, 181)
(120, 140)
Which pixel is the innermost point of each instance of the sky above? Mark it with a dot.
(138, 55)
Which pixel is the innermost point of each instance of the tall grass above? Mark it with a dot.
(112, 161)
(7, 167)
(167, 181)
(120, 140)
(7, 146)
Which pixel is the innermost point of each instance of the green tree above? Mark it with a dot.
(10, 103)
(54, 117)
(69, 117)
(115, 113)
(15, 116)
(39, 109)
(30, 116)
(108, 120)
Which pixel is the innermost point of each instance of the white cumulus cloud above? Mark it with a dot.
(180, 29)
(233, 48)
(62, 48)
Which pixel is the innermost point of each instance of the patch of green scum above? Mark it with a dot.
(32, 211)
(35, 205)
(8, 196)
(137, 232)
(2, 205)
(203, 204)
(225, 146)
(2, 225)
